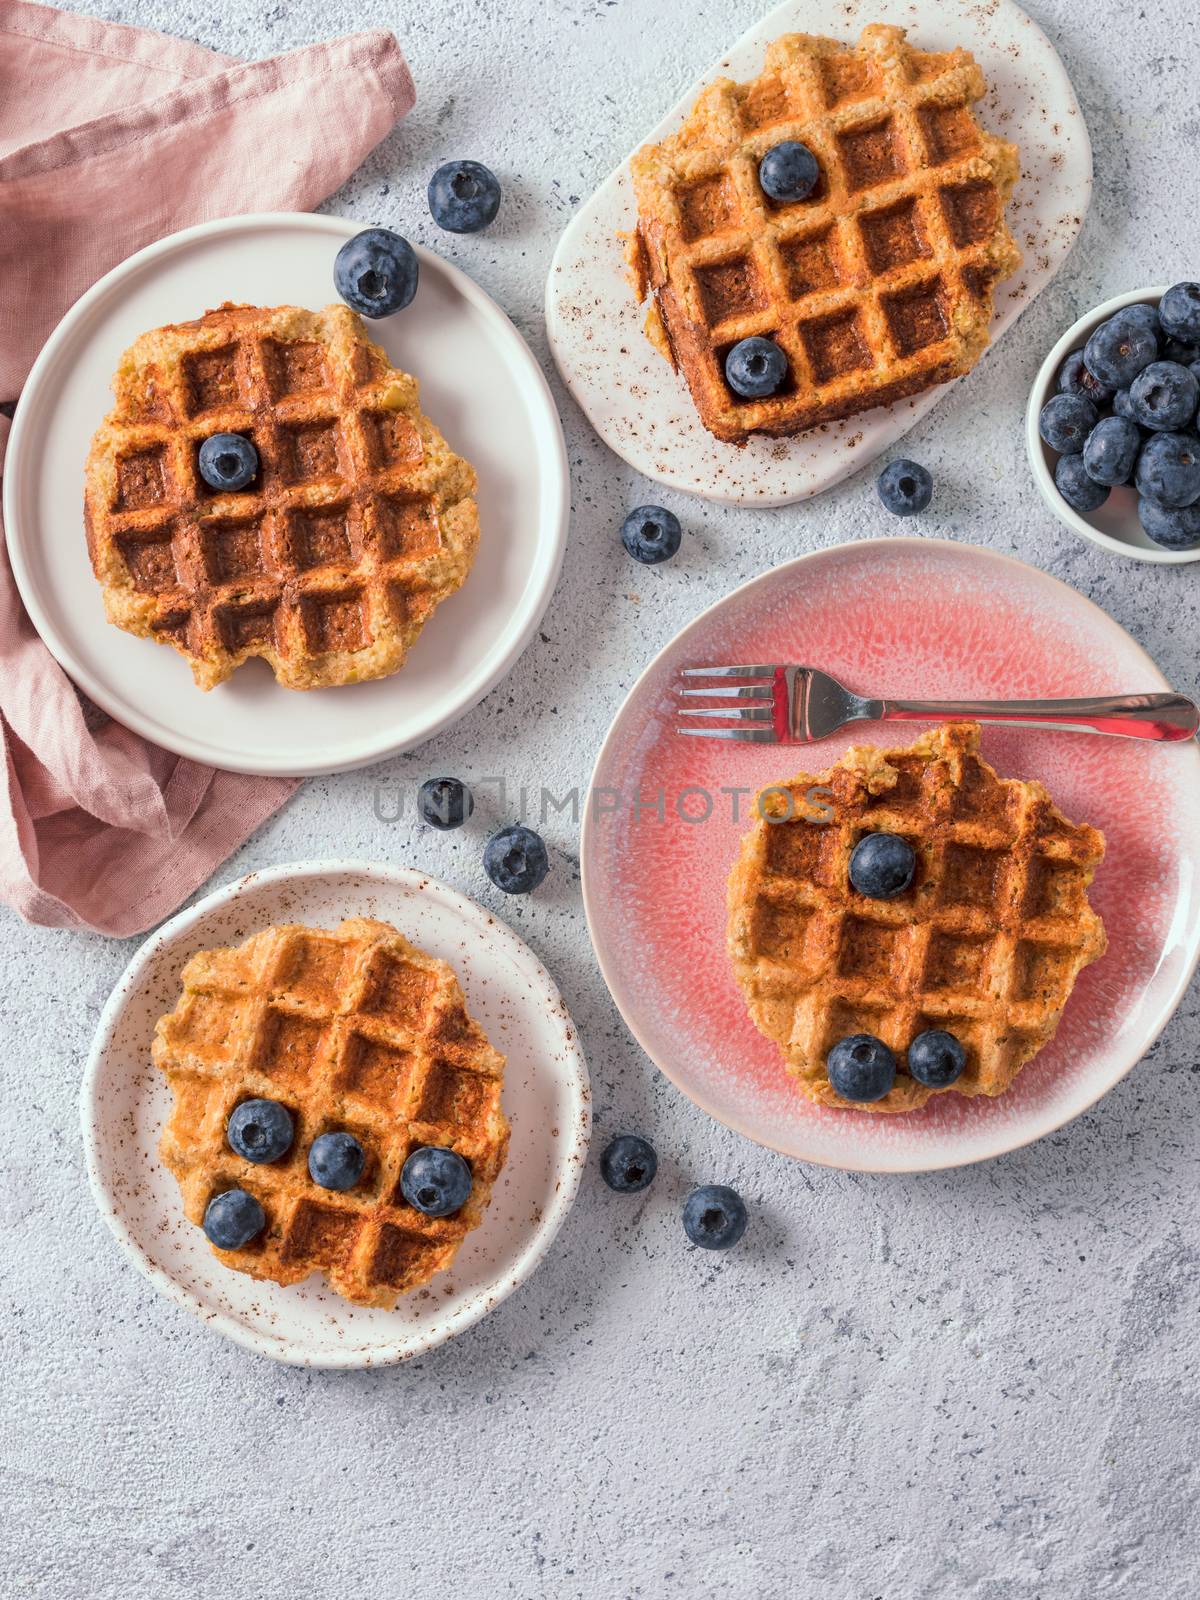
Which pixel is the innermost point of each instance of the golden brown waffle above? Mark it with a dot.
(879, 284)
(359, 523)
(986, 944)
(356, 1030)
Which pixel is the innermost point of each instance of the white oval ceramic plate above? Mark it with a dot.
(479, 384)
(642, 409)
(125, 1101)
(901, 617)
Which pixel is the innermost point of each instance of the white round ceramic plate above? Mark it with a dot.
(479, 384)
(1115, 526)
(902, 617)
(642, 409)
(125, 1101)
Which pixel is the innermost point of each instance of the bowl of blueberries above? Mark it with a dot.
(1112, 425)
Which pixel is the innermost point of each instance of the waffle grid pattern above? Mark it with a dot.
(987, 943)
(353, 1029)
(328, 565)
(876, 286)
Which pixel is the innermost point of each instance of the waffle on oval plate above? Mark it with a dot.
(986, 943)
(359, 523)
(879, 284)
(353, 1030)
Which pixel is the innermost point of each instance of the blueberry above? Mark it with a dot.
(1179, 312)
(233, 1218)
(1121, 405)
(376, 272)
(464, 196)
(1111, 450)
(1074, 378)
(788, 171)
(1168, 469)
(1163, 396)
(436, 1181)
(260, 1130)
(1081, 493)
(755, 368)
(515, 859)
(650, 534)
(1173, 527)
(861, 1067)
(228, 462)
(444, 802)
(336, 1160)
(1181, 350)
(1065, 422)
(1142, 314)
(936, 1058)
(1119, 349)
(714, 1217)
(629, 1164)
(905, 487)
(882, 865)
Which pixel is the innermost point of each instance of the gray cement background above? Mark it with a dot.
(979, 1384)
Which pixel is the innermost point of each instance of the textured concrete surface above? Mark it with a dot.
(977, 1384)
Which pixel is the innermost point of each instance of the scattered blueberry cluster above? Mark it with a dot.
(861, 1067)
(434, 1180)
(515, 858)
(1126, 412)
(714, 1216)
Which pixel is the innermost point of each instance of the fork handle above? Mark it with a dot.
(1133, 716)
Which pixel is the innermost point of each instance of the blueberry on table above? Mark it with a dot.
(1074, 378)
(260, 1130)
(936, 1058)
(1164, 396)
(755, 368)
(336, 1160)
(1111, 450)
(788, 172)
(228, 462)
(1119, 349)
(1173, 527)
(1065, 422)
(232, 1219)
(1179, 312)
(882, 865)
(714, 1216)
(651, 534)
(435, 1181)
(376, 272)
(861, 1067)
(444, 803)
(1168, 469)
(628, 1164)
(905, 487)
(464, 196)
(1082, 494)
(515, 859)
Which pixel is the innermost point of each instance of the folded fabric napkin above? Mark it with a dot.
(111, 137)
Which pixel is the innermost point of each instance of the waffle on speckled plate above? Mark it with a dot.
(353, 1030)
(359, 523)
(879, 284)
(986, 943)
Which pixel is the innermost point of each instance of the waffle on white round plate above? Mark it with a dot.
(126, 1100)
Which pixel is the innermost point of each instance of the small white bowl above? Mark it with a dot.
(1115, 526)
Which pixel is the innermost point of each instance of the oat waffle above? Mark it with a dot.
(353, 1029)
(876, 286)
(986, 943)
(360, 522)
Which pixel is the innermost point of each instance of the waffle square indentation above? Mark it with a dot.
(780, 932)
(971, 211)
(765, 104)
(811, 263)
(871, 155)
(949, 132)
(322, 1234)
(294, 366)
(868, 950)
(150, 561)
(320, 537)
(1054, 888)
(1042, 973)
(244, 626)
(399, 1258)
(311, 452)
(845, 77)
(405, 527)
(893, 236)
(835, 346)
(392, 440)
(312, 970)
(805, 850)
(971, 876)
(708, 207)
(730, 289)
(955, 961)
(450, 1095)
(377, 1072)
(397, 989)
(211, 380)
(290, 1044)
(916, 318)
(233, 550)
(335, 621)
(142, 479)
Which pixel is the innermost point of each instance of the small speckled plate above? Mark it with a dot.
(903, 617)
(642, 409)
(125, 1101)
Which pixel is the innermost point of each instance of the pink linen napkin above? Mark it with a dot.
(111, 137)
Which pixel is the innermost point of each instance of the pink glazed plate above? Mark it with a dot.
(906, 617)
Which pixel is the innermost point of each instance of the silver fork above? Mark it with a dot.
(796, 705)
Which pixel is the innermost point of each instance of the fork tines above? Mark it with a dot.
(757, 704)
